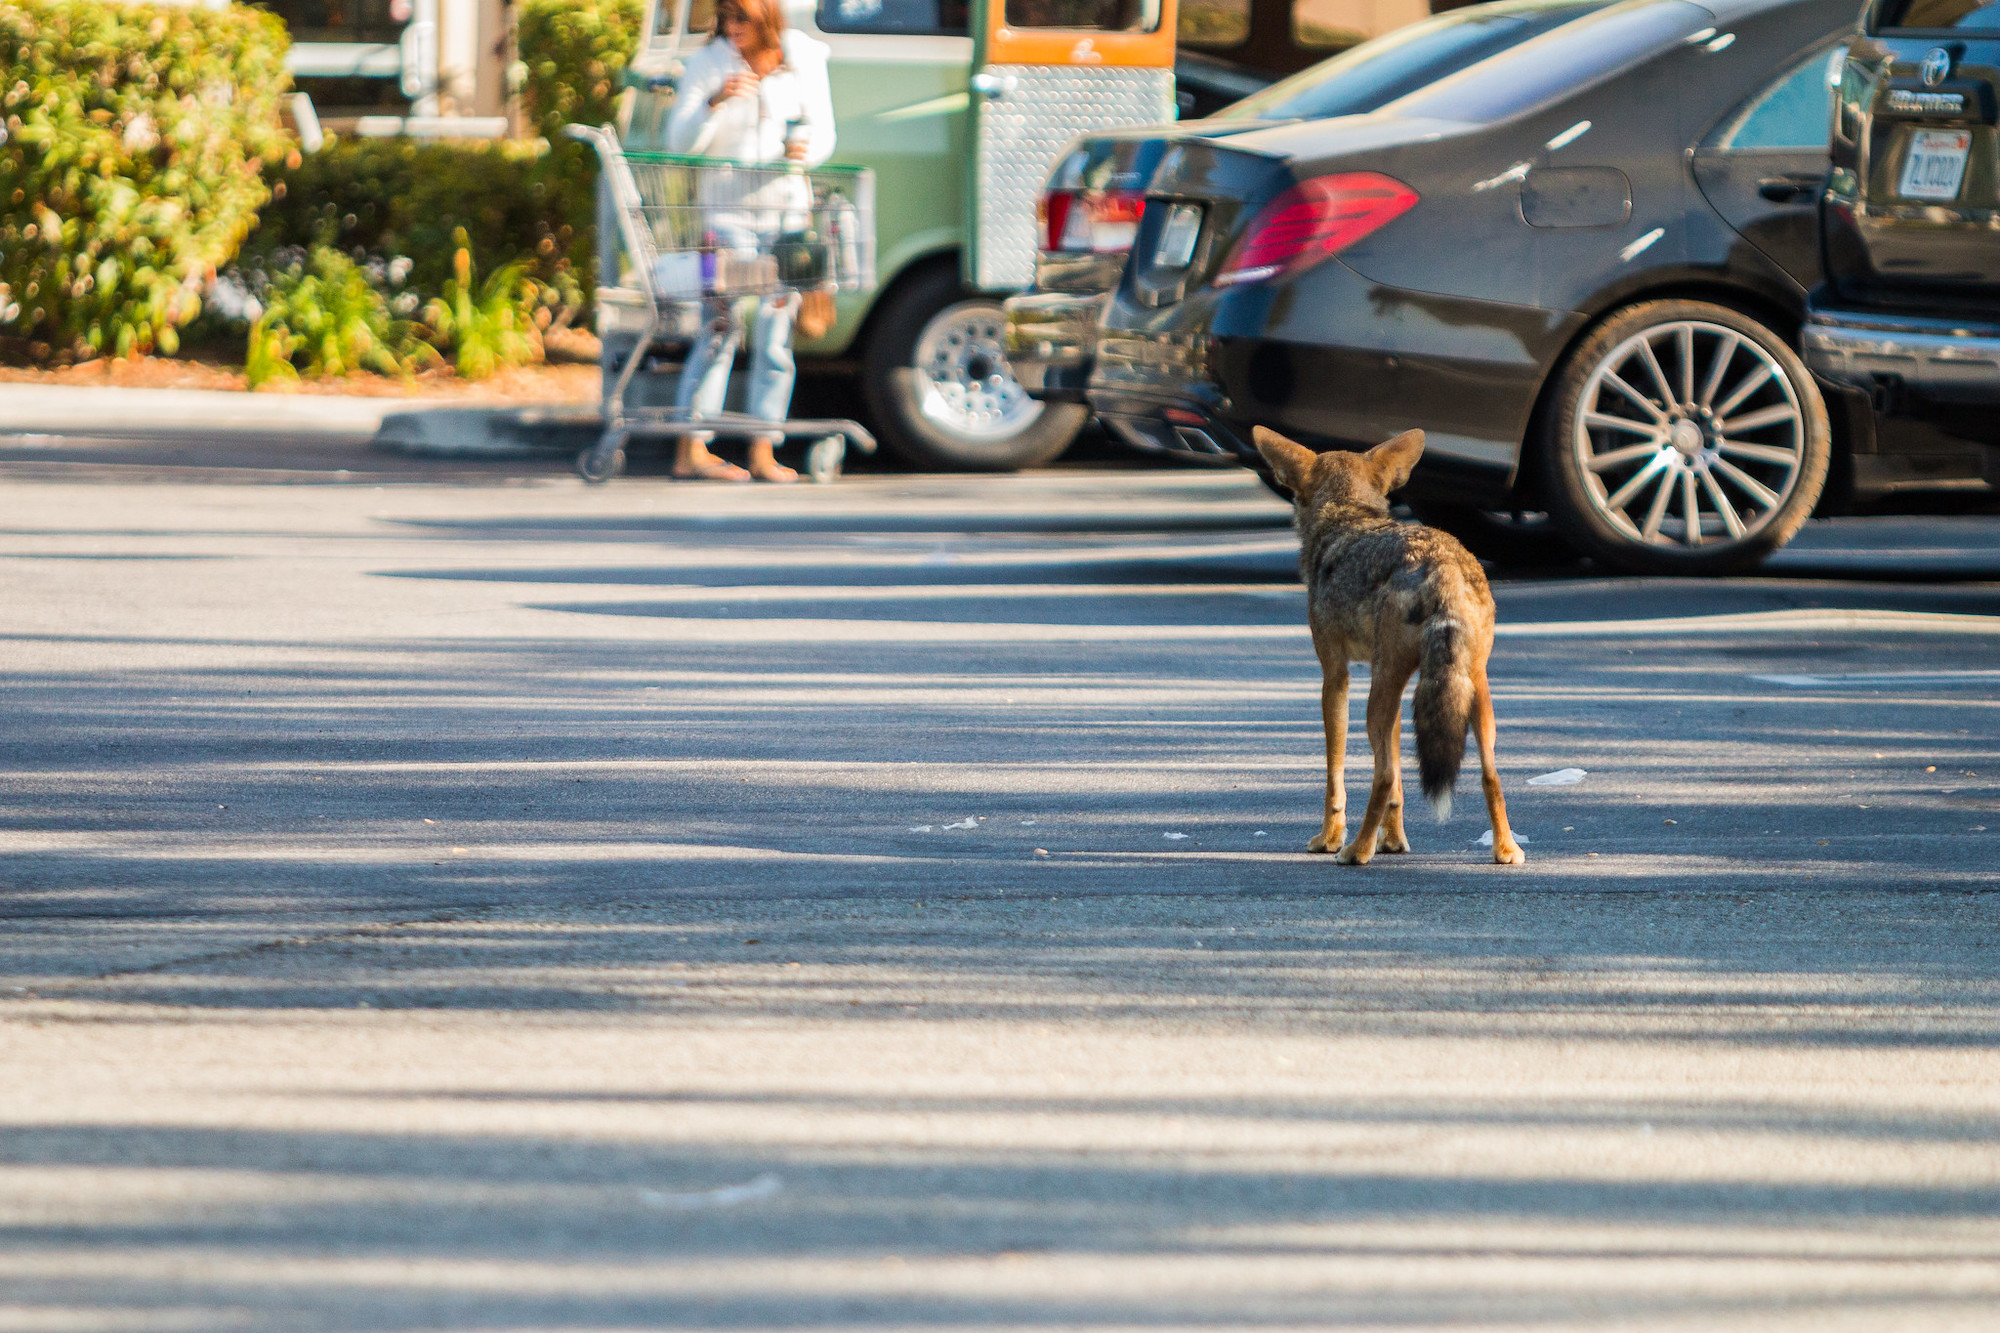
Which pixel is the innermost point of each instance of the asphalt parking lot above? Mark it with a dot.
(451, 897)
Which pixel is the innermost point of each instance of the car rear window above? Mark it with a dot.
(1376, 73)
(1794, 111)
(1932, 15)
(1555, 64)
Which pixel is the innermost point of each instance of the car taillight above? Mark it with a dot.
(1105, 221)
(1314, 219)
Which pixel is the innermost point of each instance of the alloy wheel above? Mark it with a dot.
(967, 387)
(1688, 434)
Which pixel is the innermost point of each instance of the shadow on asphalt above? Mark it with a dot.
(1052, 831)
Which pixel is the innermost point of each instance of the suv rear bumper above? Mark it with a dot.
(1939, 361)
(1051, 342)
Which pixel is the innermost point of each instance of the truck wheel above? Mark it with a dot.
(939, 387)
(1684, 438)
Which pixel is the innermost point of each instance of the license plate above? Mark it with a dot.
(1177, 238)
(1936, 165)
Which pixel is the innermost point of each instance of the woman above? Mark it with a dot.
(757, 93)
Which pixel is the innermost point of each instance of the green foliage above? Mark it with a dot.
(269, 358)
(386, 198)
(571, 53)
(324, 311)
(487, 325)
(131, 168)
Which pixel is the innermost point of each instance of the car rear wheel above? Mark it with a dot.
(940, 390)
(1683, 438)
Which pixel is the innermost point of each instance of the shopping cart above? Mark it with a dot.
(702, 239)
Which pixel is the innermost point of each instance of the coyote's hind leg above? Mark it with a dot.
(1385, 729)
(1333, 715)
(1505, 850)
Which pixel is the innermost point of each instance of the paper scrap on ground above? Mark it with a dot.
(1173, 837)
(967, 822)
(1260, 834)
(1486, 839)
(1027, 823)
(1562, 777)
(763, 1187)
(920, 828)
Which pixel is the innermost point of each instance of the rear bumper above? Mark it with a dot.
(1052, 342)
(1175, 429)
(1939, 361)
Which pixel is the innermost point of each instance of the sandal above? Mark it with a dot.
(715, 471)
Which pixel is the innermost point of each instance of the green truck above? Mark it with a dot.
(959, 110)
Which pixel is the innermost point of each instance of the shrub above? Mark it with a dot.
(324, 311)
(132, 164)
(529, 206)
(571, 54)
(487, 325)
(380, 199)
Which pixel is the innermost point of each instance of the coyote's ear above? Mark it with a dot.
(1393, 460)
(1290, 461)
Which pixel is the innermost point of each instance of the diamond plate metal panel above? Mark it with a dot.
(1022, 129)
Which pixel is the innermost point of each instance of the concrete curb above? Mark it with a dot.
(100, 410)
(424, 427)
(486, 432)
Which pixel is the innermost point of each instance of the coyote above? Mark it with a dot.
(1404, 599)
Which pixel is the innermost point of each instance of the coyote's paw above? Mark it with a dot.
(1509, 854)
(1326, 840)
(1354, 854)
(1392, 840)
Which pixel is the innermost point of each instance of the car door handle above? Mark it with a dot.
(1789, 189)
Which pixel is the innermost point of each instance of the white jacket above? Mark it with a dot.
(752, 129)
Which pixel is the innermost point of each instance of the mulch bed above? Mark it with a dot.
(572, 378)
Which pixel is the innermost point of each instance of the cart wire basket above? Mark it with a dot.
(704, 232)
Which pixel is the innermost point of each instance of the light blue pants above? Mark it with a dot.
(705, 378)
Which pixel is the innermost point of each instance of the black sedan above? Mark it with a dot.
(1091, 207)
(1578, 264)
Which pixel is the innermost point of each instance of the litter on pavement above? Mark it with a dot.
(763, 1187)
(1562, 777)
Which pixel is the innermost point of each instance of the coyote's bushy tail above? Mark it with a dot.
(1443, 707)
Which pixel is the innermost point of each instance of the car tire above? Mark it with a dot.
(1504, 538)
(1683, 437)
(941, 393)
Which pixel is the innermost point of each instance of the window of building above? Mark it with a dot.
(1399, 63)
(1573, 57)
(1093, 15)
(1332, 24)
(1214, 23)
(916, 18)
(1942, 14)
(342, 20)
